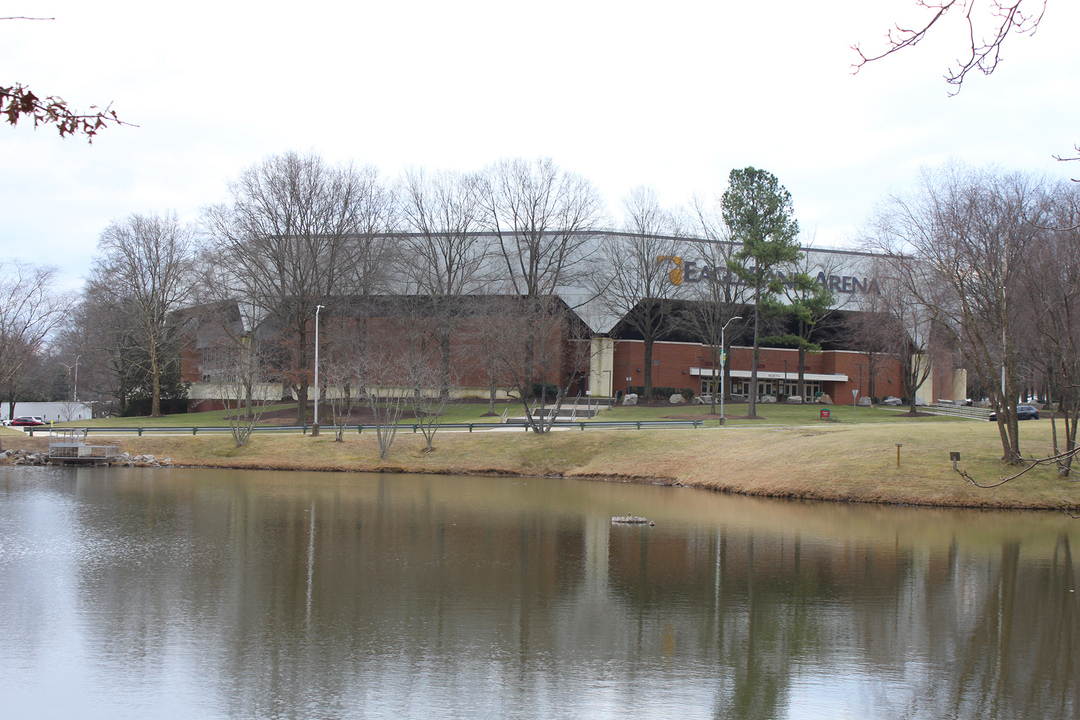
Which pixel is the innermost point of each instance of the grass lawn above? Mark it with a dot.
(804, 458)
(768, 414)
(455, 413)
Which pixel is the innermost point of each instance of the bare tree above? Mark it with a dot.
(428, 399)
(145, 269)
(541, 216)
(390, 389)
(635, 284)
(962, 242)
(30, 309)
(717, 295)
(297, 234)
(1052, 288)
(906, 325)
(874, 333)
(344, 370)
(237, 371)
(543, 344)
(484, 338)
(445, 254)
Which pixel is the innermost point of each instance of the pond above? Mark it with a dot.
(128, 593)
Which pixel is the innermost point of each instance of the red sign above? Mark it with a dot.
(825, 415)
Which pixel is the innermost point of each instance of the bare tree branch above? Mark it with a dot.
(19, 102)
(984, 51)
(1033, 463)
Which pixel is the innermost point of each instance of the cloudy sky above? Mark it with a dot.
(625, 93)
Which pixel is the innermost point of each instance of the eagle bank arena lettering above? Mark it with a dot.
(690, 272)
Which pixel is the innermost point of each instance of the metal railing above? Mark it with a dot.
(963, 411)
(402, 427)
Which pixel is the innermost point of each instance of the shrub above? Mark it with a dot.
(138, 407)
(549, 390)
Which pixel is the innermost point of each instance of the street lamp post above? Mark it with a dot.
(75, 367)
(315, 425)
(723, 364)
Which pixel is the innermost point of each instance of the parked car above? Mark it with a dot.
(1023, 412)
(27, 420)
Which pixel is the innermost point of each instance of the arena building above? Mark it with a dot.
(597, 352)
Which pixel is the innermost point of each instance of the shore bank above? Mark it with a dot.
(847, 463)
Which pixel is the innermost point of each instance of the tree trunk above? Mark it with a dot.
(301, 386)
(715, 359)
(155, 383)
(530, 359)
(757, 352)
(444, 367)
(647, 391)
(802, 373)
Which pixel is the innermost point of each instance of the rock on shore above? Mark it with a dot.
(32, 457)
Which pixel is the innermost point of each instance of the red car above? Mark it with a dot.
(27, 420)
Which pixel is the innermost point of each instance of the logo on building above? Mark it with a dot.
(675, 273)
(692, 272)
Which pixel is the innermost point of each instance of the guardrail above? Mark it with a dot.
(638, 424)
(402, 427)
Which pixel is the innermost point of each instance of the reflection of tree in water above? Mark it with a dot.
(1009, 644)
(433, 597)
(952, 635)
(763, 606)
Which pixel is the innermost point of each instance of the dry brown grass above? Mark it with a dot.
(854, 463)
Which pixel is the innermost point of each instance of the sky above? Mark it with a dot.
(625, 93)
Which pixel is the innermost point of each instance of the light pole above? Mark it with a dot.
(315, 425)
(75, 367)
(723, 364)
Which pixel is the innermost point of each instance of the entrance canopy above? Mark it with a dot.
(762, 375)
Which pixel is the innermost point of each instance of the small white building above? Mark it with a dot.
(48, 411)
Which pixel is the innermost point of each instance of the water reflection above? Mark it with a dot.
(129, 593)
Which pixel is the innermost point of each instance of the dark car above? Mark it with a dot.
(27, 420)
(1023, 412)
